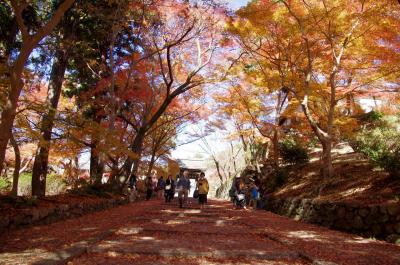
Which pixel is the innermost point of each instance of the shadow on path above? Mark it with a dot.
(157, 233)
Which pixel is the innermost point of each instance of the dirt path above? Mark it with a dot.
(156, 233)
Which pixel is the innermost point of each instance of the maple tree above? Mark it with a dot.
(253, 113)
(32, 31)
(161, 139)
(319, 51)
(120, 79)
(177, 59)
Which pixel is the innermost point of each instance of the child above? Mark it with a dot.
(254, 196)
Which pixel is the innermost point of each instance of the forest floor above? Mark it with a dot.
(157, 233)
(356, 180)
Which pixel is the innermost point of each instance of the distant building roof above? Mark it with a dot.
(192, 164)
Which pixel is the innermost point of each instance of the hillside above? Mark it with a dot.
(356, 180)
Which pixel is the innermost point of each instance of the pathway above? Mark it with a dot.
(155, 233)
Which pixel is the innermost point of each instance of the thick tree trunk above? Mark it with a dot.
(324, 138)
(9, 110)
(151, 165)
(128, 167)
(96, 166)
(17, 166)
(40, 165)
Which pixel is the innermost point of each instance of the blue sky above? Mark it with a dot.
(236, 4)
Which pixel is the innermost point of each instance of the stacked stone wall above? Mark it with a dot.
(45, 215)
(376, 221)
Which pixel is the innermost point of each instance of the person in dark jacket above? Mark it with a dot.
(132, 181)
(149, 188)
(169, 189)
(160, 188)
(183, 187)
(240, 199)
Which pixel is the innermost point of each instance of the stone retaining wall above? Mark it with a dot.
(378, 221)
(45, 215)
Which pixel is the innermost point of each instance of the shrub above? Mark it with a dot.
(391, 162)
(372, 117)
(97, 190)
(276, 179)
(381, 145)
(5, 185)
(55, 184)
(293, 152)
(281, 176)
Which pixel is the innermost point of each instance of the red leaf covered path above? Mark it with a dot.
(156, 233)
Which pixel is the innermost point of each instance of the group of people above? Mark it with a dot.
(244, 192)
(163, 188)
(166, 188)
(243, 195)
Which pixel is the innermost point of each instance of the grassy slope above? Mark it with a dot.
(54, 184)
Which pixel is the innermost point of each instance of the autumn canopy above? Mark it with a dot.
(117, 83)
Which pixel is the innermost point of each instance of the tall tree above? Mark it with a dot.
(30, 39)
(312, 46)
(64, 42)
(177, 48)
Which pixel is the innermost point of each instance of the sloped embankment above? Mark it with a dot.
(360, 199)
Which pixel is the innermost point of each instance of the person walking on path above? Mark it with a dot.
(132, 186)
(149, 188)
(233, 190)
(240, 199)
(202, 187)
(160, 188)
(169, 189)
(183, 187)
(254, 196)
(132, 181)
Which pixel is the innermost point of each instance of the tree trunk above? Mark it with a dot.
(40, 165)
(151, 165)
(28, 161)
(137, 148)
(217, 166)
(127, 168)
(9, 110)
(16, 70)
(323, 137)
(17, 166)
(96, 167)
(275, 146)
(327, 168)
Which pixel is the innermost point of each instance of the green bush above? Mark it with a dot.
(5, 185)
(293, 152)
(381, 144)
(372, 117)
(55, 184)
